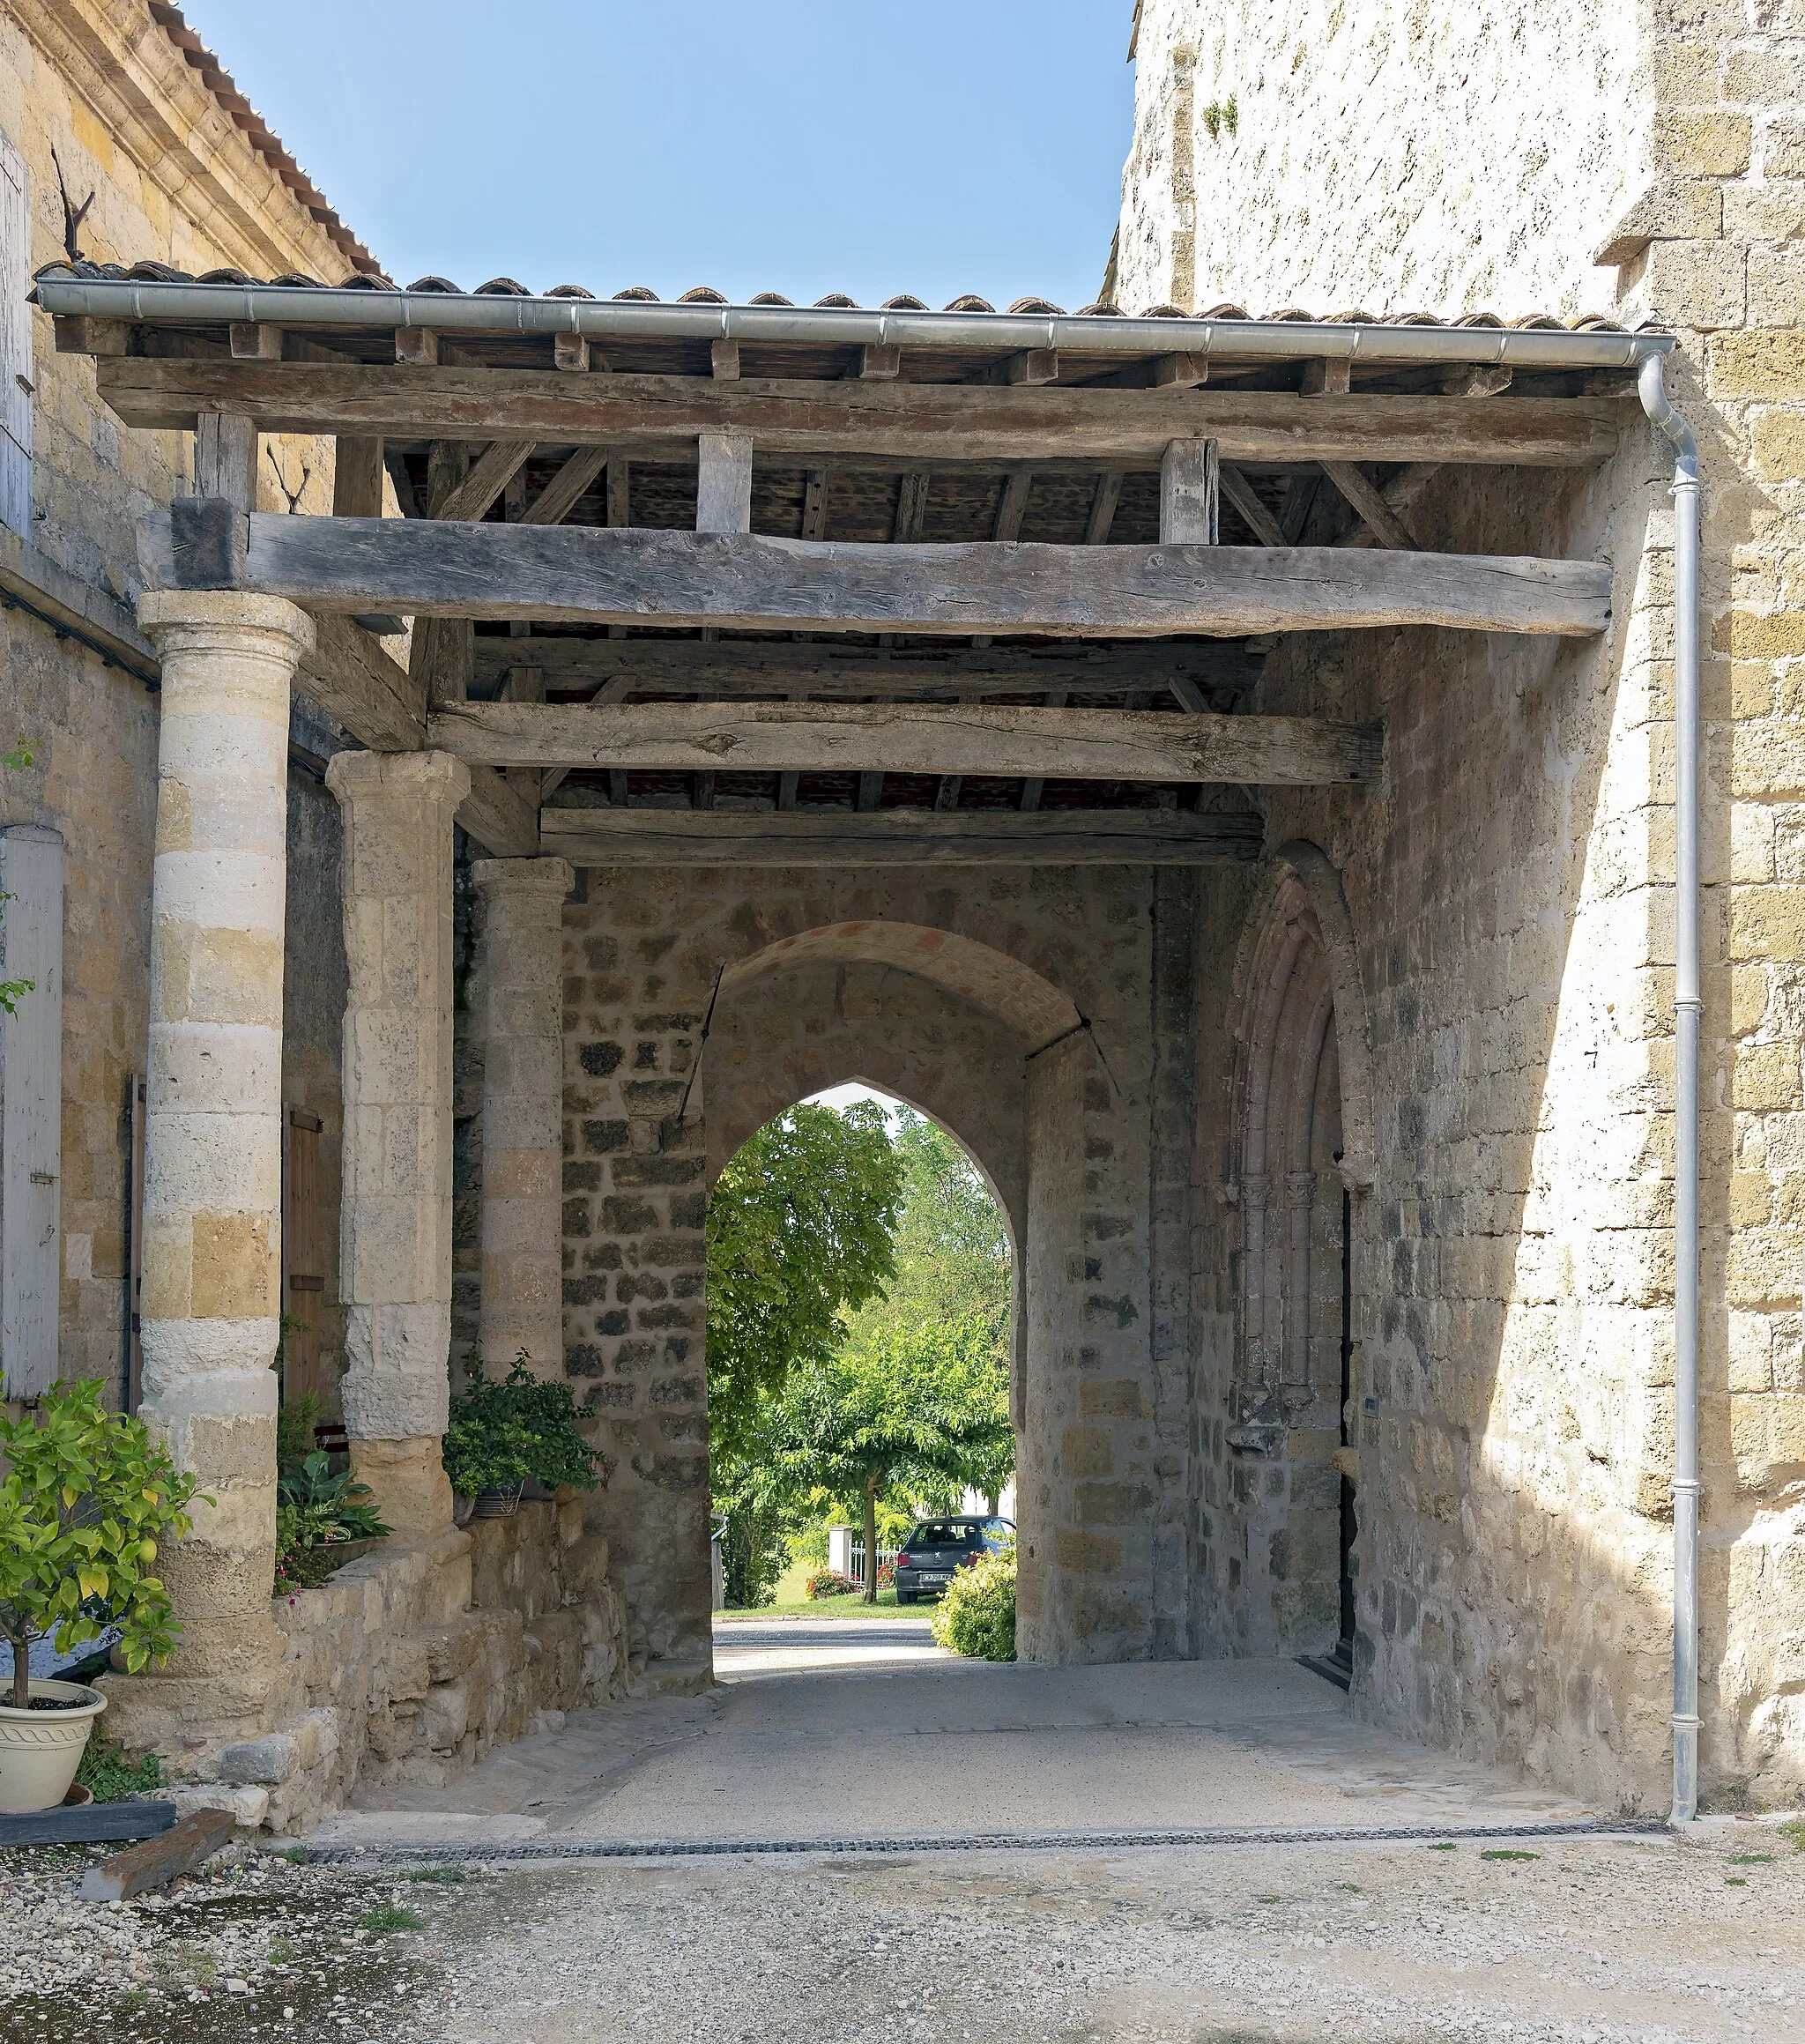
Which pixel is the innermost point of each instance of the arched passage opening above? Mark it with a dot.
(860, 1304)
(1302, 1136)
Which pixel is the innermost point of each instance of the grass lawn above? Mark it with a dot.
(791, 1603)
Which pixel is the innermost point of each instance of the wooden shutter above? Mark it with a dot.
(15, 343)
(303, 1255)
(135, 1266)
(31, 1109)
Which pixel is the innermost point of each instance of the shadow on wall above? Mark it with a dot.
(1511, 1266)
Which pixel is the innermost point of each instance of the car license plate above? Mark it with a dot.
(936, 1576)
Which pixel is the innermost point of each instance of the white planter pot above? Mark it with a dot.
(40, 1750)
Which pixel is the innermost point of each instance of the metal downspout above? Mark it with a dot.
(1687, 1010)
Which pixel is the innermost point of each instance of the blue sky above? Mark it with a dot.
(937, 149)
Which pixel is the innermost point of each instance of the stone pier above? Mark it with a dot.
(213, 1198)
(521, 1027)
(394, 1256)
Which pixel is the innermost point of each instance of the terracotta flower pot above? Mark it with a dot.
(40, 1749)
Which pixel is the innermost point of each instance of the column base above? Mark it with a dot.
(412, 1492)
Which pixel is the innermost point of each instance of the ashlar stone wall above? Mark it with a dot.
(1510, 891)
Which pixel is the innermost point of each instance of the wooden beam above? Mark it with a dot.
(559, 497)
(85, 334)
(1399, 494)
(914, 423)
(401, 482)
(911, 738)
(1246, 499)
(1387, 526)
(1190, 496)
(1034, 785)
(1323, 378)
(911, 508)
(878, 363)
(417, 345)
(723, 359)
(357, 478)
(487, 477)
(1013, 506)
(673, 837)
(1030, 366)
(741, 582)
(570, 353)
(618, 505)
(1102, 509)
(724, 483)
(354, 680)
(1476, 380)
(814, 504)
(784, 667)
(1185, 371)
(870, 792)
(252, 340)
(225, 458)
(503, 818)
(947, 795)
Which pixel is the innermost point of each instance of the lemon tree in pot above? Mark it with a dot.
(86, 1497)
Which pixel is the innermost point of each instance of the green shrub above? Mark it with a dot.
(502, 1435)
(316, 1512)
(294, 1430)
(976, 1616)
(830, 1583)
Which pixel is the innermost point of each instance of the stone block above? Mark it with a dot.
(1773, 211)
(1776, 287)
(267, 1761)
(1764, 362)
(1697, 283)
(1703, 142)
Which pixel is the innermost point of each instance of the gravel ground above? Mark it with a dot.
(1584, 1941)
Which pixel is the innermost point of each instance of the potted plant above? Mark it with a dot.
(322, 1522)
(503, 1436)
(87, 1495)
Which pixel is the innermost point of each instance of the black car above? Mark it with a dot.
(938, 1546)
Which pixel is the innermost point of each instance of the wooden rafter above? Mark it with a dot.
(911, 738)
(915, 424)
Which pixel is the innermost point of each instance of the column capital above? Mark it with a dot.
(358, 776)
(181, 621)
(549, 876)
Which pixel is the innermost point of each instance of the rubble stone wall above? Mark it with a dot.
(965, 995)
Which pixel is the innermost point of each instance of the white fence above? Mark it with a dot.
(847, 1555)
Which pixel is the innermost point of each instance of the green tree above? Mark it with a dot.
(952, 1246)
(799, 1231)
(12, 990)
(87, 1495)
(924, 1407)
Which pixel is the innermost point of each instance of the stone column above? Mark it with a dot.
(213, 1198)
(521, 1026)
(395, 1223)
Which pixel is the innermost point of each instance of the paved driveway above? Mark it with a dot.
(928, 1747)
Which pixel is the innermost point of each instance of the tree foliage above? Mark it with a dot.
(799, 1232)
(925, 1408)
(952, 1244)
(87, 1495)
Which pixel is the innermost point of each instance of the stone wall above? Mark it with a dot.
(413, 1662)
(173, 179)
(1511, 890)
(964, 994)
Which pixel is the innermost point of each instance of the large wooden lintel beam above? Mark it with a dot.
(351, 675)
(911, 738)
(744, 582)
(668, 837)
(787, 666)
(910, 421)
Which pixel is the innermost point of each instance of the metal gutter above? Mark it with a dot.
(1688, 1011)
(841, 326)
